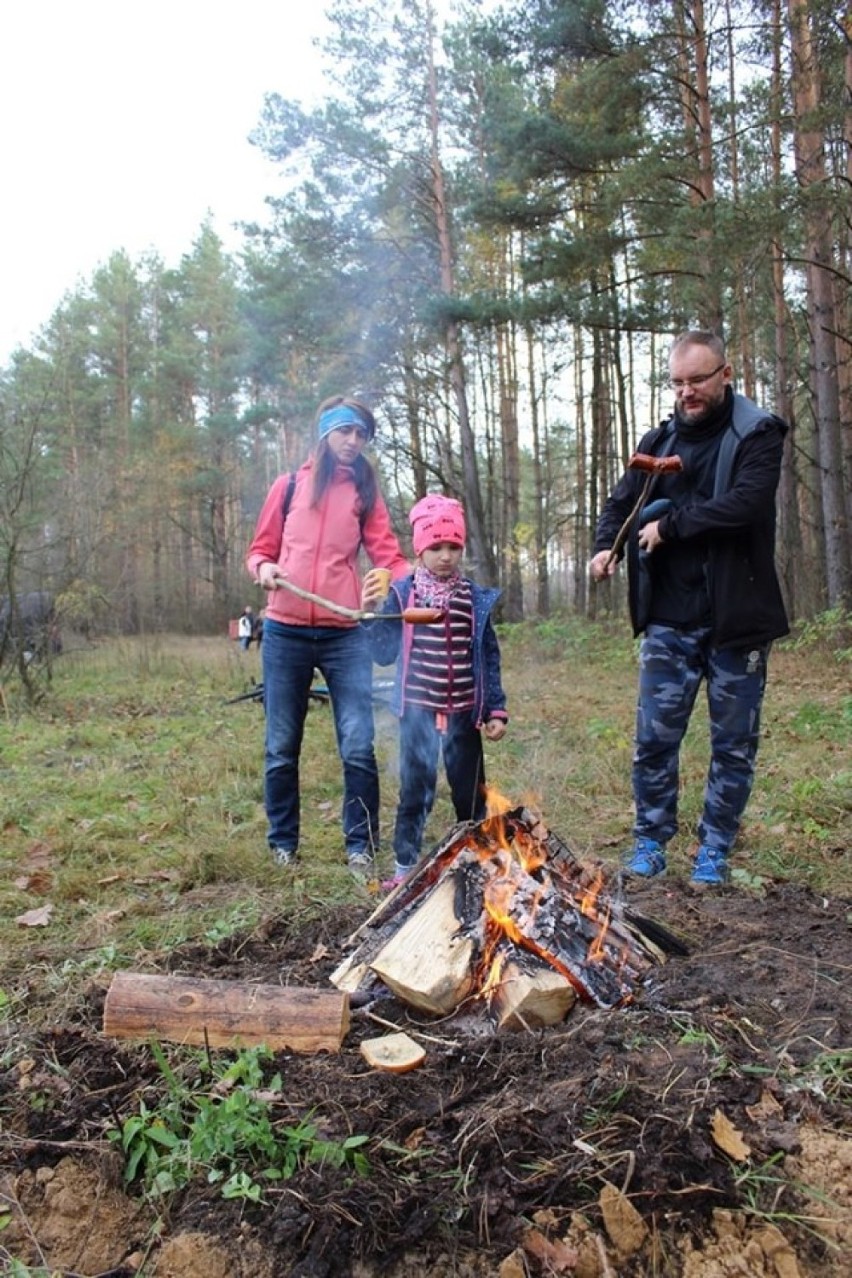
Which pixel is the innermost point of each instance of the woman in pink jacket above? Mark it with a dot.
(309, 532)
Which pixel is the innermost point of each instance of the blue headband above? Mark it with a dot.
(342, 415)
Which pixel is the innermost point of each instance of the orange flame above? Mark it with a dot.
(528, 852)
(491, 983)
(496, 804)
(589, 906)
(497, 900)
(517, 858)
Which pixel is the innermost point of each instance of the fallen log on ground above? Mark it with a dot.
(225, 1013)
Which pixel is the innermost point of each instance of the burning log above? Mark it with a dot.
(503, 911)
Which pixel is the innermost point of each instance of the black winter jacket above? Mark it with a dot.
(737, 525)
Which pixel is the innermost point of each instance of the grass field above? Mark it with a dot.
(131, 795)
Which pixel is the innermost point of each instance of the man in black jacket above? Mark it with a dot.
(705, 597)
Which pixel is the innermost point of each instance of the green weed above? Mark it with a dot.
(596, 1115)
(221, 1126)
(717, 1059)
(18, 1270)
(830, 630)
(764, 1190)
(829, 1075)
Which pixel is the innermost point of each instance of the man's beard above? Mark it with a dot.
(700, 414)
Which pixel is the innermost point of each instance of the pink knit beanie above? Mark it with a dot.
(435, 518)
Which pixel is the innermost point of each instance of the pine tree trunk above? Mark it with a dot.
(790, 531)
(819, 265)
(479, 550)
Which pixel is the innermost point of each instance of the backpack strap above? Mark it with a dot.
(288, 496)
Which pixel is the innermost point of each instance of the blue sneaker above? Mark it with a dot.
(646, 858)
(710, 868)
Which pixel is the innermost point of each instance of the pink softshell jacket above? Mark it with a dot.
(320, 549)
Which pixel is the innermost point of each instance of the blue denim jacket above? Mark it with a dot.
(391, 641)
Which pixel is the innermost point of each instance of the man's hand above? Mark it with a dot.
(649, 536)
(602, 566)
(495, 729)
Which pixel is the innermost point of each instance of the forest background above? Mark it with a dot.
(489, 228)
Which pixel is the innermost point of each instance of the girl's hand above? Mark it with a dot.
(495, 729)
(374, 589)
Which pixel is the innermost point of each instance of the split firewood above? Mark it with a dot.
(528, 999)
(351, 974)
(426, 962)
(419, 879)
(225, 1013)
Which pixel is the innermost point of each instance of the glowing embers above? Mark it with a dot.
(503, 913)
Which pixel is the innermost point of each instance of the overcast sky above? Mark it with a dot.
(122, 125)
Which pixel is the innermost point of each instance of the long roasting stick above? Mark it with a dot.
(652, 466)
(414, 616)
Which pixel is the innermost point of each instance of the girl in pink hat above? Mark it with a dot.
(448, 688)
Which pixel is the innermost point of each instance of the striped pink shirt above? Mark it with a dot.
(440, 667)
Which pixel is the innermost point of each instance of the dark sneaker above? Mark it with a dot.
(645, 859)
(710, 868)
(284, 856)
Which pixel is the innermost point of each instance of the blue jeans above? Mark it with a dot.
(290, 656)
(419, 744)
(672, 664)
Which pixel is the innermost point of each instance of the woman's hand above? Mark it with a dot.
(495, 729)
(266, 574)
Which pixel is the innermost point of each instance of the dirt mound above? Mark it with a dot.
(697, 1132)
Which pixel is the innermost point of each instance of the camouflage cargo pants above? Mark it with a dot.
(672, 664)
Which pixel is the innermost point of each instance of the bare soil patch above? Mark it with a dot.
(592, 1148)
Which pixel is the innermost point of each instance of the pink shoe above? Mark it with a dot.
(388, 885)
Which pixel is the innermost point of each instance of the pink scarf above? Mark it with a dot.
(432, 591)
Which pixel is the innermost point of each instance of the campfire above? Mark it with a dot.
(503, 914)
(500, 916)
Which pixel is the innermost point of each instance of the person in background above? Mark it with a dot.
(309, 533)
(258, 627)
(448, 688)
(245, 628)
(704, 595)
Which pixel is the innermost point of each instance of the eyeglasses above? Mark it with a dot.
(681, 383)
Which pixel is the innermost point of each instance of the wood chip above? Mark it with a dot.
(396, 1053)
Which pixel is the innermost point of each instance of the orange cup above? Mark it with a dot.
(382, 577)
